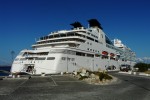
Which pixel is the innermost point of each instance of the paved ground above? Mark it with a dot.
(67, 88)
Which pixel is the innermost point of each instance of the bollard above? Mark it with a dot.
(134, 73)
(62, 73)
(43, 74)
(18, 76)
(13, 76)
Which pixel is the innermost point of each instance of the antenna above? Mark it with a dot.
(12, 55)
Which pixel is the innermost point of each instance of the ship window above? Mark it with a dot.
(16, 59)
(51, 36)
(87, 48)
(56, 35)
(63, 58)
(71, 52)
(90, 30)
(73, 59)
(102, 35)
(70, 34)
(68, 59)
(88, 33)
(42, 53)
(90, 38)
(62, 35)
(105, 57)
(108, 41)
(30, 58)
(97, 55)
(43, 58)
(90, 55)
(80, 54)
(96, 41)
(50, 58)
(41, 38)
(46, 37)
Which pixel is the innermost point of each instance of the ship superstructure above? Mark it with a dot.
(71, 50)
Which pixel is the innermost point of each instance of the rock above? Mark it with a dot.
(92, 81)
(97, 81)
(92, 75)
(62, 73)
(99, 70)
(78, 76)
(82, 74)
(88, 80)
(74, 73)
(96, 77)
(87, 74)
(83, 71)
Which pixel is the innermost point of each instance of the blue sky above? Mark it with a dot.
(21, 21)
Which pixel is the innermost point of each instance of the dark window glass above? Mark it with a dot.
(50, 58)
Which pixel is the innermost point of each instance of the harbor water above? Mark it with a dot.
(4, 70)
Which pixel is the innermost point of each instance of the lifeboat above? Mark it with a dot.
(105, 53)
(112, 54)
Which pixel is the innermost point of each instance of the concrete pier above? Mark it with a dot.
(63, 87)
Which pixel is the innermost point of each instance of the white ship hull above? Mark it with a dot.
(66, 63)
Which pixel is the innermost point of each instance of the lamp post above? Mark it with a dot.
(67, 61)
(12, 55)
(147, 62)
(108, 64)
(93, 65)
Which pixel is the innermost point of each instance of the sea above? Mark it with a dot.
(4, 70)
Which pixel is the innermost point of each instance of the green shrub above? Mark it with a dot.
(147, 72)
(142, 67)
(102, 75)
(90, 72)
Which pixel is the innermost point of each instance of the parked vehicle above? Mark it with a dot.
(125, 67)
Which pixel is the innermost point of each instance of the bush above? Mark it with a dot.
(102, 75)
(147, 72)
(142, 67)
(82, 77)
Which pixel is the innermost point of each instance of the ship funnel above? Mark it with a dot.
(94, 23)
(76, 24)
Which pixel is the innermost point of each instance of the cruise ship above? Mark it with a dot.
(71, 50)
